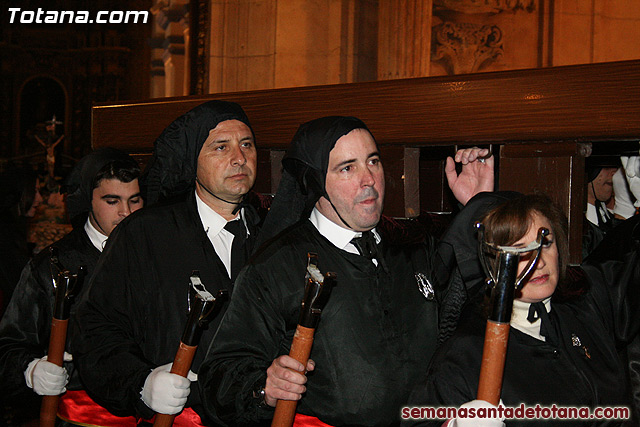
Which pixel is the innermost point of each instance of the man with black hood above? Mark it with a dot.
(102, 190)
(599, 219)
(379, 327)
(133, 315)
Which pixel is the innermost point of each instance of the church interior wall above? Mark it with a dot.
(192, 47)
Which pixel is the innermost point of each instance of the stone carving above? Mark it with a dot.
(466, 48)
(486, 6)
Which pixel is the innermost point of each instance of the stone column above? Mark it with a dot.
(172, 17)
(404, 38)
(261, 44)
(242, 44)
(157, 66)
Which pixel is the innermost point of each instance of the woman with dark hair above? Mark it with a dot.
(519, 220)
(19, 198)
(562, 347)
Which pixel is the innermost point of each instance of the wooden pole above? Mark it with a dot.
(57, 342)
(300, 350)
(181, 365)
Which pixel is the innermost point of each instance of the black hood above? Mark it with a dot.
(307, 158)
(80, 182)
(595, 163)
(172, 169)
(305, 169)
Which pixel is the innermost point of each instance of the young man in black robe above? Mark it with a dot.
(134, 313)
(102, 190)
(378, 329)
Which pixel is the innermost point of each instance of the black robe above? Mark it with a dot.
(14, 254)
(617, 259)
(26, 325)
(374, 339)
(132, 317)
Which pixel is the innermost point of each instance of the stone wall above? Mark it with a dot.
(261, 44)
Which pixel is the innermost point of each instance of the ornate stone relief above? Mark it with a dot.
(465, 48)
(486, 6)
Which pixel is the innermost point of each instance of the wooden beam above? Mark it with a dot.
(538, 118)
(582, 102)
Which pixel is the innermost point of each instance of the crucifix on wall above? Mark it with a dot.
(49, 145)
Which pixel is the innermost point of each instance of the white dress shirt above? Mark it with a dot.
(592, 215)
(520, 322)
(339, 236)
(97, 238)
(220, 238)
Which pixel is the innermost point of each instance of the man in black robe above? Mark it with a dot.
(102, 190)
(379, 327)
(598, 219)
(134, 313)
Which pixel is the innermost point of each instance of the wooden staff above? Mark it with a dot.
(503, 286)
(316, 294)
(202, 308)
(66, 286)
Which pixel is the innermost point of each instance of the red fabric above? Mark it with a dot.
(77, 407)
(307, 421)
(187, 418)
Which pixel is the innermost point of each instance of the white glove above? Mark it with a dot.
(623, 198)
(477, 422)
(46, 378)
(164, 392)
(631, 167)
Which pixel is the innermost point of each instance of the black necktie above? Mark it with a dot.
(366, 245)
(547, 329)
(238, 253)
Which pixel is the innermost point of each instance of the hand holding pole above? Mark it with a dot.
(202, 308)
(504, 281)
(316, 294)
(66, 286)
